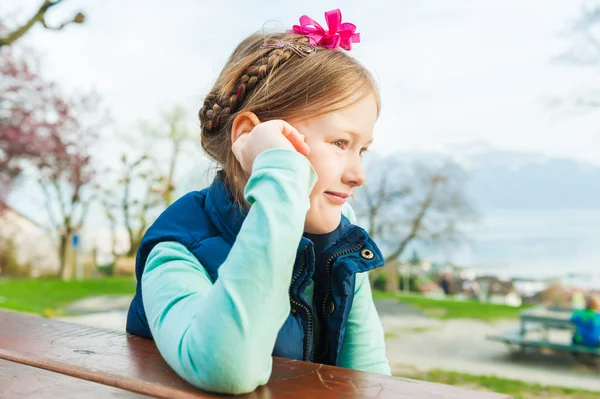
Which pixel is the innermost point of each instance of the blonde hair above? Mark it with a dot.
(592, 303)
(276, 83)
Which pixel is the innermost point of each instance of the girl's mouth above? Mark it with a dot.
(336, 198)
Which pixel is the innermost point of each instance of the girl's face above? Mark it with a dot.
(337, 141)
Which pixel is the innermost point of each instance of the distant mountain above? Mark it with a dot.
(552, 183)
(502, 179)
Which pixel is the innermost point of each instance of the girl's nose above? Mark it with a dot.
(354, 175)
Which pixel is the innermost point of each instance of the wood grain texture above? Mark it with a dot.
(124, 361)
(18, 381)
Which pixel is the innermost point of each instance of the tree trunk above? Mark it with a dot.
(134, 244)
(62, 254)
(391, 273)
(406, 280)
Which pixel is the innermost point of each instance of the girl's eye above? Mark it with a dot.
(362, 152)
(340, 143)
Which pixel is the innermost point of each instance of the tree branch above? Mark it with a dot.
(418, 219)
(125, 203)
(113, 223)
(85, 206)
(39, 16)
(61, 200)
(48, 204)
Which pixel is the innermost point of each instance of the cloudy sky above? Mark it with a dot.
(452, 73)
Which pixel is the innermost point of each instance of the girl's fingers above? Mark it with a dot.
(297, 141)
(296, 138)
(237, 147)
(302, 148)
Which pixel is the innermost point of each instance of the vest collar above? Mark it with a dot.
(223, 212)
(227, 216)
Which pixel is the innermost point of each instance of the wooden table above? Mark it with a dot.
(44, 358)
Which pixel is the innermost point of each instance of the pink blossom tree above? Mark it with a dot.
(45, 135)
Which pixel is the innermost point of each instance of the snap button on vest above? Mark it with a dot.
(331, 307)
(367, 254)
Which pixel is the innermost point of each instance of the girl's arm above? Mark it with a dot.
(364, 345)
(220, 337)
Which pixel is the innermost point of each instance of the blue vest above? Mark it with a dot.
(207, 222)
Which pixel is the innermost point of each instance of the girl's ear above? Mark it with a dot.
(243, 124)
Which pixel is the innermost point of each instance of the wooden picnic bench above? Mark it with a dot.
(534, 333)
(45, 358)
(545, 319)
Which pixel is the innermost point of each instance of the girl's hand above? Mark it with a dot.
(264, 136)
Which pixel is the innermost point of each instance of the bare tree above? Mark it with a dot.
(403, 203)
(583, 51)
(172, 135)
(6, 39)
(138, 190)
(66, 173)
(587, 50)
(144, 181)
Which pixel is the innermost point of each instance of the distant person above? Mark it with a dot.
(471, 289)
(445, 283)
(268, 260)
(587, 324)
(475, 290)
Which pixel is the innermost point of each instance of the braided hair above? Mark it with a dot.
(218, 106)
(275, 82)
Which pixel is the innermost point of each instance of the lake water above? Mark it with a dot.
(531, 243)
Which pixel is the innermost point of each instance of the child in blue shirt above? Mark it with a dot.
(587, 324)
(267, 261)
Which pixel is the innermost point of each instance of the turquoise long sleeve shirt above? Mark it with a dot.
(219, 335)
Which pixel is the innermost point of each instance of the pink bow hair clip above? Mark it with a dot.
(340, 34)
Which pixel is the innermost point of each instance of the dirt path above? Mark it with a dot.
(460, 345)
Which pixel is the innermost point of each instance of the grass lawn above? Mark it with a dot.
(49, 296)
(453, 309)
(516, 389)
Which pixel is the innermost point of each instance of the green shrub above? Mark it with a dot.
(379, 283)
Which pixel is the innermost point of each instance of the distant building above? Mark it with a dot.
(529, 288)
(33, 246)
(499, 291)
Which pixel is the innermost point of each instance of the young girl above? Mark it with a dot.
(267, 261)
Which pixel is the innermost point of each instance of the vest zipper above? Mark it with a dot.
(326, 298)
(308, 341)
